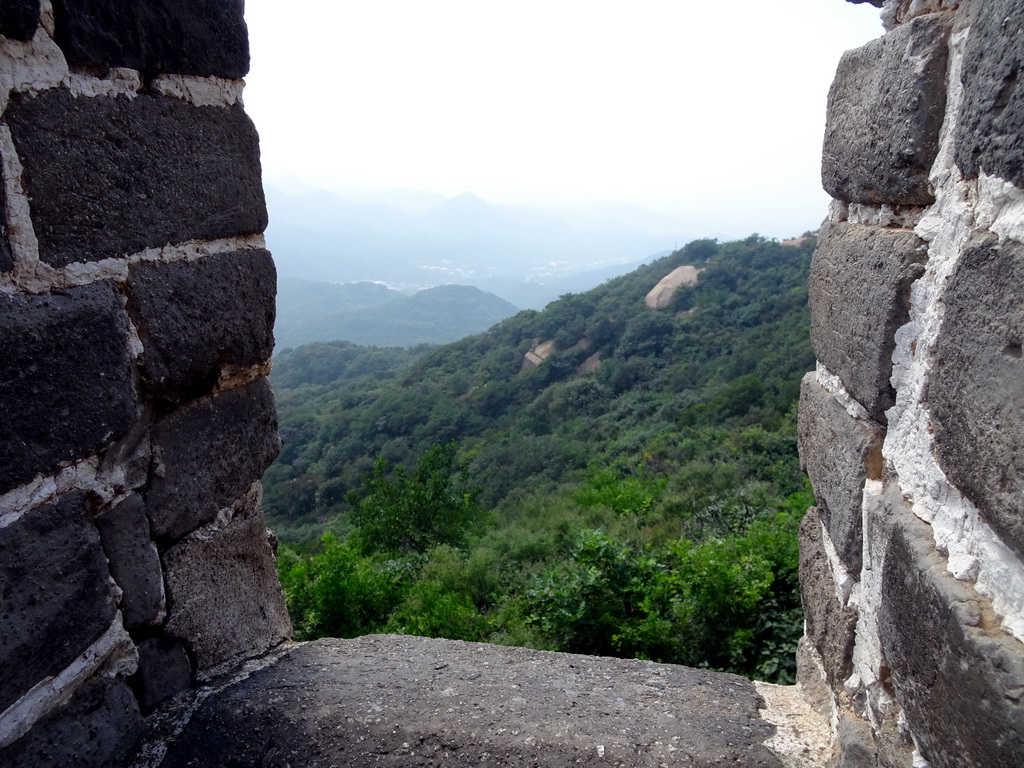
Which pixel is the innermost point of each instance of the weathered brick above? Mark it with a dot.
(134, 562)
(111, 176)
(207, 455)
(885, 111)
(838, 453)
(54, 595)
(164, 670)
(976, 389)
(859, 295)
(185, 37)
(98, 728)
(829, 626)
(224, 598)
(66, 387)
(197, 318)
(19, 19)
(991, 119)
(958, 678)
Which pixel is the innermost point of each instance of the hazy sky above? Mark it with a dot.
(711, 111)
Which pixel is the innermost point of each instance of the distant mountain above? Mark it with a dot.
(373, 314)
(519, 254)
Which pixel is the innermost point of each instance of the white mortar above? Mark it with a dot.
(975, 553)
(113, 650)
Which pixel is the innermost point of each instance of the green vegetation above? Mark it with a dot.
(637, 493)
(370, 313)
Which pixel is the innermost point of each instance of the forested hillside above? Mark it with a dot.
(598, 477)
(369, 313)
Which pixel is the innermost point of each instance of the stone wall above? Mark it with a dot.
(912, 426)
(136, 308)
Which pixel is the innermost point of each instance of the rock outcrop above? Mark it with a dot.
(661, 295)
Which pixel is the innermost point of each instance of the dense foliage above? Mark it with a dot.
(637, 493)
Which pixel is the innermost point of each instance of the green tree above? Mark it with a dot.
(399, 511)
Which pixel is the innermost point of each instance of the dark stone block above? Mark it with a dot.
(406, 701)
(991, 120)
(976, 390)
(958, 677)
(859, 295)
(54, 597)
(164, 670)
(19, 19)
(98, 728)
(185, 37)
(207, 455)
(110, 176)
(134, 562)
(66, 389)
(6, 260)
(838, 453)
(829, 626)
(224, 599)
(197, 318)
(885, 110)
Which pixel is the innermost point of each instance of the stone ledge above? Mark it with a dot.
(403, 701)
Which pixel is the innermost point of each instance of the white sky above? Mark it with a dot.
(712, 111)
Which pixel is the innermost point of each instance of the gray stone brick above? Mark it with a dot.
(54, 597)
(838, 453)
(111, 176)
(224, 598)
(98, 728)
(196, 318)
(66, 387)
(164, 670)
(859, 295)
(976, 390)
(958, 677)
(134, 562)
(207, 455)
(830, 626)
(186, 37)
(885, 111)
(19, 19)
(991, 119)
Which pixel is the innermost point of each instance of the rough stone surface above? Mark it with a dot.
(134, 562)
(829, 626)
(857, 747)
(185, 37)
(991, 119)
(66, 387)
(224, 599)
(199, 318)
(207, 455)
(976, 391)
(19, 18)
(885, 110)
(838, 453)
(6, 260)
(404, 701)
(111, 176)
(54, 597)
(164, 670)
(959, 679)
(859, 294)
(97, 728)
